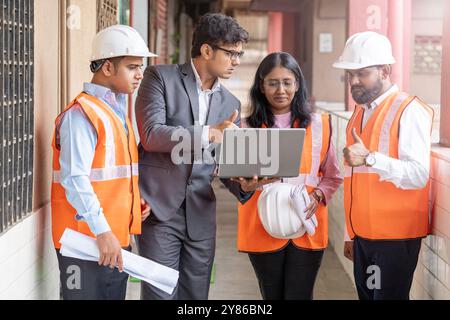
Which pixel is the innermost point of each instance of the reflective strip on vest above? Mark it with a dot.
(385, 135)
(304, 179)
(362, 169)
(316, 127)
(110, 153)
(384, 142)
(312, 179)
(106, 174)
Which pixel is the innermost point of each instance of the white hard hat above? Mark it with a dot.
(365, 49)
(119, 41)
(281, 211)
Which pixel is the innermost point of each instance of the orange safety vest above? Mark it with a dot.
(252, 237)
(114, 175)
(378, 210)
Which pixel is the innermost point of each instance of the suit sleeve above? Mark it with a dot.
(155, 134)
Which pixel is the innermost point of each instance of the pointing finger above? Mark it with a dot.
(234, 116)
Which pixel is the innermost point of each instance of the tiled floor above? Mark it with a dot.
(234, 276)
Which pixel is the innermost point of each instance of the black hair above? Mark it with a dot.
(98, 64)
(261, 112)
(216, 29)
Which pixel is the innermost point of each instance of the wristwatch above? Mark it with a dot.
(370, 160)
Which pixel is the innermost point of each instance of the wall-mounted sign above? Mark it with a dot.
(326, 43)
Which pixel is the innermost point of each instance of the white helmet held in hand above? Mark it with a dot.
(281, 211)
(119, 41)
(365, 49)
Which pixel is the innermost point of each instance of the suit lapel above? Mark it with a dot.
(191, 88)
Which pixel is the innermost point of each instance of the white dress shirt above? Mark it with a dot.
(204, 99)
(412, 169)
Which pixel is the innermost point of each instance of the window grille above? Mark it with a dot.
(106, 13)
(16, 115)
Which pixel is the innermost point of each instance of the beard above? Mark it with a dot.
(362, 95)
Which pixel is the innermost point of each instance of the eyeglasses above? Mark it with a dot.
(275, 84)
(231, 53)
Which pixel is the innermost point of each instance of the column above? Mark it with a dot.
(445, 99)
(399, 32)
(275, 32)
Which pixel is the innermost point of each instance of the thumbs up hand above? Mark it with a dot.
(216, 131)
(355, 155)
(356, 137)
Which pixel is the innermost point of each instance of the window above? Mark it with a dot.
(124, 12)
(16, 115)
(428, 54)
(106, 13)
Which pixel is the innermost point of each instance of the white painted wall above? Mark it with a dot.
(28, 263)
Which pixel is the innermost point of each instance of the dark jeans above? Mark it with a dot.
(395, 261)
(86, 280)
(287, 274)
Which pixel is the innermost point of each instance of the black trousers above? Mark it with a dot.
(288, 274)
(384, 270)
(86, 280)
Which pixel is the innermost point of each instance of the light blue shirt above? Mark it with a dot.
(78, 140)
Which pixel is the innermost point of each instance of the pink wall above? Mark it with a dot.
(445, 99)
(399, 32)
(275, 38)
(367, 15)
(391, 18)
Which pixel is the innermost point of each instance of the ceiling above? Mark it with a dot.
(278, 5)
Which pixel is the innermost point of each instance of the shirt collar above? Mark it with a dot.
(104, 93)
(394, 88)
(216, 86)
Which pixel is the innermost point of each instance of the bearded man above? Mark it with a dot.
(386, 184)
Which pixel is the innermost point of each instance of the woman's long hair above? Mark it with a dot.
(261, 112)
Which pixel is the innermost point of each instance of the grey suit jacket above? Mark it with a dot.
(167, 104)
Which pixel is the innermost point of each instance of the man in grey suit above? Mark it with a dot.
(187, 102)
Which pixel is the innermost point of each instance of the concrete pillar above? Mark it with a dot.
(399, 32)
(445, 99)
(275, 32)
(81, 29)
(48, 76)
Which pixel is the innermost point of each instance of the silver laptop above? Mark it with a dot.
(262, 152)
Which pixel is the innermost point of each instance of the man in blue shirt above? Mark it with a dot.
(117, 59)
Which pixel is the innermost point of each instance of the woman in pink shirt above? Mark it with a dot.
(287, 269)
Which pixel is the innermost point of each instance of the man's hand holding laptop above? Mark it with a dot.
(250, 185)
